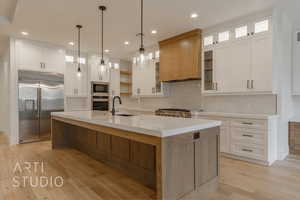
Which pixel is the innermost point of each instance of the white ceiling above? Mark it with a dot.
(54, 20)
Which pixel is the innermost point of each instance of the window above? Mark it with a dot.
(209, 40)
(224, 36)
(71, 59)
(241, 32)
(261, 26)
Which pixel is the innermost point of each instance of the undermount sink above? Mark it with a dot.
(125, 115)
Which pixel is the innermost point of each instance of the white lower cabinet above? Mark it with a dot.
(248, 139)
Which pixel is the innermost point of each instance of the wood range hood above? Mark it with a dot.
(180, 57)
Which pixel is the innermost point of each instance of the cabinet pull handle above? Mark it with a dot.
(248, 84)
(250, 136)
(196, 136)
(247, 123)
(252, 84)
(153, 90)
(247, 150)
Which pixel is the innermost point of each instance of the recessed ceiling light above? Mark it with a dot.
(106, 50)
(24, 33)
(154, 31)
(126, 43)
(71, 43)
(194, 15)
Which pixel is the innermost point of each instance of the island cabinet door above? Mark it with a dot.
(206, 156)
(178, 166)
(120, 149)
(85, 140)
(103, 146)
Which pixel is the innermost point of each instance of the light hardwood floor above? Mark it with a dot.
(85, 178)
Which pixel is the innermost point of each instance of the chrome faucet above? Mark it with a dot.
(113, 111)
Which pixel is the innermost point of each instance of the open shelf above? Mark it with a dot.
(125, 83)
(125, 93)
(125, 73)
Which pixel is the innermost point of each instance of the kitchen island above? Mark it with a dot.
(173, 156)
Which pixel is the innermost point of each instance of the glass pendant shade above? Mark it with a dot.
(102, 66)
(77, 61)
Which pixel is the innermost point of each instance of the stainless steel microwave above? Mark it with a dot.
(100, 96)
(100, 88)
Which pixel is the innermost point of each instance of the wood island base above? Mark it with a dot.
(174, 167)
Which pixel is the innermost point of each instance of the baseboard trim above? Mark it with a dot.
(265, 163)
(283, 155)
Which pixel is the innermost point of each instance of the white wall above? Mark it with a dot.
(188, 95)
(4, 93)
(282, 59)
(13, 95)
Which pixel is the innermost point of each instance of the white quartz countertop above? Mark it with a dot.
(158, 126)
(213, 114)
(234, 115)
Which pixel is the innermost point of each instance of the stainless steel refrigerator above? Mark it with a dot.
(39, 94)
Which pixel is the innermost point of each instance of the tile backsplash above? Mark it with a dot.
(188, 95)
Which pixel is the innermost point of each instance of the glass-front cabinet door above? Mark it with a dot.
(208, 71)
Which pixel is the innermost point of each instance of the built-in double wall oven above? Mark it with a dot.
(100, 96)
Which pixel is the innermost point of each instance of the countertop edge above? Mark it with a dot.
(161, 134)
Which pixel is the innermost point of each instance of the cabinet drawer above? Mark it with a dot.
(248, 151)
(255, 124)
(247, 136)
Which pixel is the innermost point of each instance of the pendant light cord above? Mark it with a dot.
(102, 33)
(79, 47)
(142, 23)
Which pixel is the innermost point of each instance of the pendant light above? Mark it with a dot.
(142, 49)
(102, 62)
(78, 58)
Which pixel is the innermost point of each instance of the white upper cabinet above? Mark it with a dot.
(114, 83)
(37, 56)
(239, 60)
(145, 78)
(54, 59)
(261, 60)
(29, 55)
(296, 64)
(76, 85)
(232, 67)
